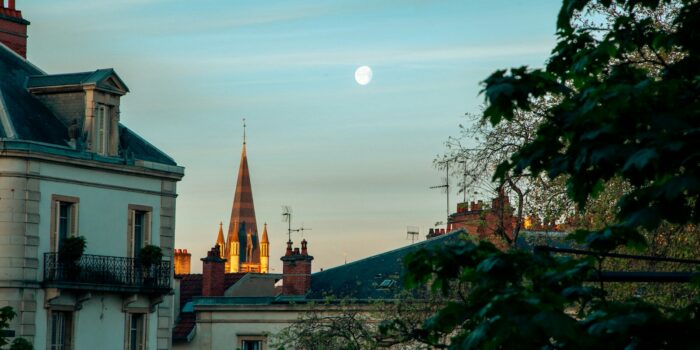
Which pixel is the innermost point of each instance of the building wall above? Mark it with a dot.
(224, 326)
(26, 189)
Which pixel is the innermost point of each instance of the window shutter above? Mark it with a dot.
(74, 220)
(144, 331)
(147, 228)
(130, 235)
(56, 210)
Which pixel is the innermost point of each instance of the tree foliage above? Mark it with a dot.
(6, 315)
(616, 117)
(625, 109)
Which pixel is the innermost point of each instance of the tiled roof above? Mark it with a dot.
(375, 277)
(24, 118)
(182, 331)
(191, 287)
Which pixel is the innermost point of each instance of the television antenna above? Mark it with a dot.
(464, 180)
(301, 229)
(445, 186)
(412, 232)
(287, 217)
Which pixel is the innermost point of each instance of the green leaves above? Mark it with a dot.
(625, 109)
(6, 315)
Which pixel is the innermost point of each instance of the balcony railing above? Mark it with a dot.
(99, 272)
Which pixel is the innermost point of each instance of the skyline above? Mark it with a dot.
(354, 162)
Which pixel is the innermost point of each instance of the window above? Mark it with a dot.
(251, 345)
(60, 330)
(64, 220)
(252, 342)
(101, 129)
(139, 231)
(136, 331)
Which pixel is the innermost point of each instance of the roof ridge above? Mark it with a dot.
(24, 59)
(60, 74)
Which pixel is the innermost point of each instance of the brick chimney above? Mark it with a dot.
(182, 262)
(13, 28)
(213, 273)
(296, 270)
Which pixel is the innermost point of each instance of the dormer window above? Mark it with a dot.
(97, 93)
(101, 129)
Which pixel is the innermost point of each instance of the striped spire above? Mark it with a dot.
(242, 220)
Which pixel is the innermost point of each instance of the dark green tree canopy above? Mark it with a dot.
(628, 106)
(623, 105)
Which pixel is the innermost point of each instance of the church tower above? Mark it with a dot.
(265, 252)
(243, 247)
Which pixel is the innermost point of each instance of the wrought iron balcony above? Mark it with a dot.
(107, 273)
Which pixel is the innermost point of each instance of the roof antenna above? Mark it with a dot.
(301, 229)
(287, 217)
(412, 232)
(445, 186)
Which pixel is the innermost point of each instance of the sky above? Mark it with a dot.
(354, 162)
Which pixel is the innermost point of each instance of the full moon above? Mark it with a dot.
(363, 75)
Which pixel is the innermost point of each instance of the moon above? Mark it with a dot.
(363, 75)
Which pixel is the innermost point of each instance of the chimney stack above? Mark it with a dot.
(296, 270)
(213, 273)
(13, 28)
(182, 262)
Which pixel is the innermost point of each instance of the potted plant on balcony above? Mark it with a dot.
(150, 257)
(69, 254)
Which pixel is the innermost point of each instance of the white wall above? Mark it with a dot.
(103, 212)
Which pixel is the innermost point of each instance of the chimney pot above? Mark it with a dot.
(11, 4)
(296, 271)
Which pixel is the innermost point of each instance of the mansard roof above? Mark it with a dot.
(375, 277)
(30, 125)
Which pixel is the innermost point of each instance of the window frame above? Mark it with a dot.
(101, 126)
(141, 331)
(242, 338)
(146, 238)
(68, 328)
(74, 224)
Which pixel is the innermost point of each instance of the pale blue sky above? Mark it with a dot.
(354, 162)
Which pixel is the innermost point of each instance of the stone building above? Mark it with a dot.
(69, 168)
(247, 310)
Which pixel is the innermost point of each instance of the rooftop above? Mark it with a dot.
(26, 124)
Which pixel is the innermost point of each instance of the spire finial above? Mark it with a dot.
(244, 131)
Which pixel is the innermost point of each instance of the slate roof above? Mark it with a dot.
(24, 118)
(375, 277)
(74, 79)
(190, 288)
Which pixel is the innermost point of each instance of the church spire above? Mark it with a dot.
(265, 252)
(242, 219)
(220, 241)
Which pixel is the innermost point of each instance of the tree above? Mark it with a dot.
(6, 315)
(360, 325)
(626, 107)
